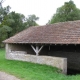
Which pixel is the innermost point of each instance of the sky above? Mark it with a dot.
(44, 9)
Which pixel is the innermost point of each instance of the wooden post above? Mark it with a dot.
(49, 47)
(37, 49)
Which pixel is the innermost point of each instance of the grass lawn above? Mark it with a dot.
(31, 71)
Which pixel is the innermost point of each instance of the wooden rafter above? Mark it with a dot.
(37, 49)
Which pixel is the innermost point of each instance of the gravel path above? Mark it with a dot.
(5, 76)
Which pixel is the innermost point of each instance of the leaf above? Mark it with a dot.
(7, 28)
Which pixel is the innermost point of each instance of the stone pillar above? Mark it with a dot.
(8, 50)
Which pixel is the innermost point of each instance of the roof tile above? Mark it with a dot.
(58, 33)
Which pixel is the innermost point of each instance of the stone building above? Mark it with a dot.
(60, 40)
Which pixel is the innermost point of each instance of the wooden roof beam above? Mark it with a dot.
(37, 49)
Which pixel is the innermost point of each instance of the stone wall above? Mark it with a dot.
(58, 62)
(25, 53)
(71, 52)
(19, 47)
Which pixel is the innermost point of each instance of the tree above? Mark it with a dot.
(15, 21)
(3, 28)
(12, 23)
(3, 11)
(1, 1)
(31, 21)
(67, 12)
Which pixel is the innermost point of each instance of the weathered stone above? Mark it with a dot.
(58, 62)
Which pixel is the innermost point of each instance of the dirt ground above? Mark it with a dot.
(5, 76)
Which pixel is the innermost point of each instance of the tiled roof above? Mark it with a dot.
(58, 33)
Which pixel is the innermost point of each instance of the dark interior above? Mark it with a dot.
(71, 52)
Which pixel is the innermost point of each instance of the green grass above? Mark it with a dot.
(31, 71)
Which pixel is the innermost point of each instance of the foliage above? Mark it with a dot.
(15, 21)
(12, 22)
(31, 21)
(67, 12)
